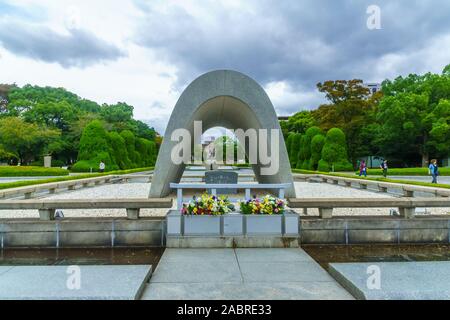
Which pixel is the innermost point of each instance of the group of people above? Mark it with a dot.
(363, 168)
(433, 169)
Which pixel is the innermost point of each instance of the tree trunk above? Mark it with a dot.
(425, 154)
(425, 159)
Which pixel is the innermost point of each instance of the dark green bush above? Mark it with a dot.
(317, 144)
(130, 142)
(55, 163)
(10, 171)
(306, 164)
(289, 146)
(323, 166)
(334, 152)
(86, 165)
(119, 150)
(94, 141)
(295, 148)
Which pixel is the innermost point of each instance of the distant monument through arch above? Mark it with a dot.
(222, 98)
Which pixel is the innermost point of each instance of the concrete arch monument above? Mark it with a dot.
(227, 99)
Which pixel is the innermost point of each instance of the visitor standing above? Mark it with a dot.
(363, 168)
(434, 170)
(384, 168)
(102, 166)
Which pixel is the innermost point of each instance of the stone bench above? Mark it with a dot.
(240, 186)
(406, 206)
(47, 208)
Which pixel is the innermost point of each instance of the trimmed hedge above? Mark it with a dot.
(407, 172)
(10, 171)
(18, 184)
(295, 148)
(117, 151)
(317, 144)
(410, 182)
(55, 163)
(334, 152)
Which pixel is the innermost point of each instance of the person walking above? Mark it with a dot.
(434, 170)
(363, 168)
(102, 166)
(384, 168)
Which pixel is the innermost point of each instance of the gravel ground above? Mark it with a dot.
(141, 190)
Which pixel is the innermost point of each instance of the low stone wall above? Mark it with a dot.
(370, 230)
(150, 232)
(82, 233)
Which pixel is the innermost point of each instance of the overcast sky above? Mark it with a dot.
(146, 52)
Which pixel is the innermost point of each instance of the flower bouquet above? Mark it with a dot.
(208, 205)
(268, 205)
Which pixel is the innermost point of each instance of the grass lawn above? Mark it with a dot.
(381, 179)
(17, 184)
(15, 171)
(407, 172)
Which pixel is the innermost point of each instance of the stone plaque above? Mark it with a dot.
(222, 177)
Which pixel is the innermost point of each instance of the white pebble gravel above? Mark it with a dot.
(141, 190)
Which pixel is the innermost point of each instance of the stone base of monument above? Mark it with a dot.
(232, 230)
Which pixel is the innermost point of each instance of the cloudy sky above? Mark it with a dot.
(146, 52)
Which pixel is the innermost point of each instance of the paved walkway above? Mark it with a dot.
(427, 280)
(73, 283)
(235, 274)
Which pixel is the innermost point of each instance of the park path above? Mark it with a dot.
(241, 274)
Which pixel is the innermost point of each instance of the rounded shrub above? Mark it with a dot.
(289, 146)
(119, 150)
(317, 143)
(295, 148)
(323, 166)
(146, 150)
(93, 164)
(94, 140)
(334, 151)
(130, 142)
(94, 148)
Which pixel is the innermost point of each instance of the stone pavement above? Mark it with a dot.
(59, 282)
(241, 274)
(397, 280)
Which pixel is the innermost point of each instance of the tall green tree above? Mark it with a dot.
(300, 122)
(413, 117)
(295, 148)
(26, 141)
(350, 104)
(317, 143)
(334, 152)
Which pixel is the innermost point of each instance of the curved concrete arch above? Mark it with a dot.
(223, 98)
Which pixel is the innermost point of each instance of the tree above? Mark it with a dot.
(303, 151)
(130, 142)
(304, 154)
(350, 104)
(25, 140)
(334, 152)
(317, 144)
(119, 116)
(300, 122)
(4, 93)
(119, 150)
(295, 148)
(413, 117)
(289, 139)
(94, 148)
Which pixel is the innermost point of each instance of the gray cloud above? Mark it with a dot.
(78, 48)
(299, 42)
